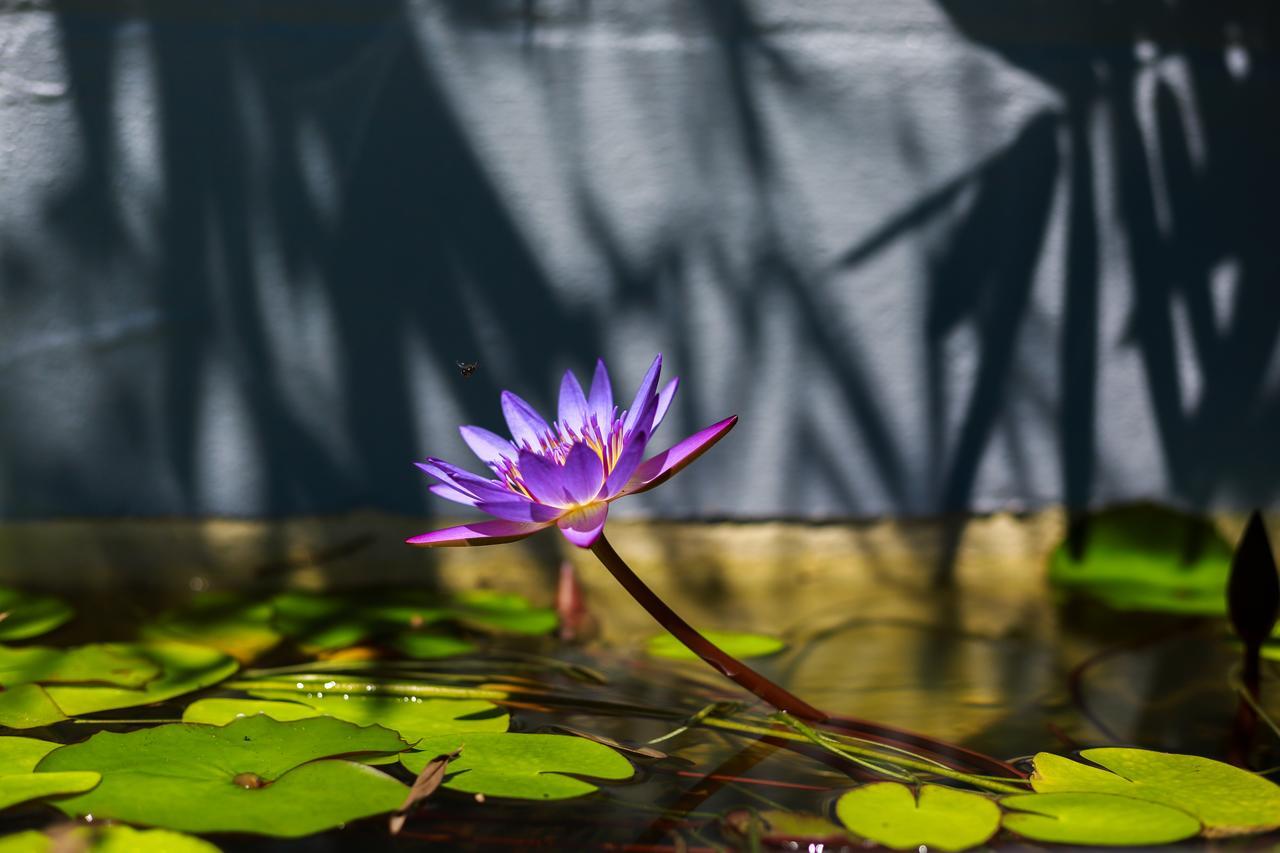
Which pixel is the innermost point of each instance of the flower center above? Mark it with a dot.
(560, 439)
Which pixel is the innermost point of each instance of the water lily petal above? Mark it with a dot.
(573, 403)
(600, 400)
(516, 508)
(662, 467)
(449, 493)
(648, 386)
(543, 478)
(665, 396)
(478, 533)
(582, 526)
(628, 460)
(583, 474)
(527, 426)
(489, 446)
(644, 420)
(463, 480)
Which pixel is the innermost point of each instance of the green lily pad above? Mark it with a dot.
(230, 623)
(105, 839)
(1098, 819)
(24, 615)
(1226, 799)
(740, 645)
(430, 646)
(253, 775)
(320, 622)
(183, 668)
(28, 706)
(412, 718)
(18, 781)
(940, 818)
(522, 766)
(100, 663)
(1147, 558)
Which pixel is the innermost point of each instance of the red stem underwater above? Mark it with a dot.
(725, 663)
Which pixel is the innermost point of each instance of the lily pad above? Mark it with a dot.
(105, 839)
(183, 668)
(253, 775)
(430, 646)
(738, 644)
(940, 818)
(1146, 558)
(1097, 819)
(501, 613)
(18, 781)
(1226, 799)
(28, 706)
(100, 663)
(521, 766)
(413, 718)
(230, 623)
(24, 615)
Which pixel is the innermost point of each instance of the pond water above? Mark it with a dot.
(992, 669)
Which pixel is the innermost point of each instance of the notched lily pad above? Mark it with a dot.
(738, 644)
(24, 615)
(183, 668)
(18, 781)
(938, 817)
(253, 775)
(1096, 819)
(104, 839)
(1145, 558)
(521, 766)
(230, 623)
(1225, 799)
(117, 664)
(28, 706)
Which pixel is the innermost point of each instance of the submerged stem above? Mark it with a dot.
(722, 661)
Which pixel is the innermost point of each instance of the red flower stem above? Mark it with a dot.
(725, 663)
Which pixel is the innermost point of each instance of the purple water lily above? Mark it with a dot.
(565, 473)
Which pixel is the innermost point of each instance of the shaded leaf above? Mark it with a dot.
(793, 830)
(24, 615)
(252, 775)
(1102, 819)
(18, 781)
(424, 786)
(738, 644)
(430, 646)
(99, 663)
(28, 706)
(1146, 558)
(183, 668)
(227, 622)
(1226, 799)
(522, 766)
(937, 817)
(104, 839)
(641, 750)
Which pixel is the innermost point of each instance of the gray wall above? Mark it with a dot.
(937, 255)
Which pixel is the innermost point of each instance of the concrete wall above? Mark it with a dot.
(938, 255)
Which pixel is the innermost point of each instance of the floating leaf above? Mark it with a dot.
(252, 775)
(18, 783)
(740, 645)
(1226, 799)
(501, 613)
(24, 615)
(230, 623)
(523, 766)
(413, 718)
(1146, 558)
(28, 706)
(430, 646)
(940, 818)
(104, 839)
(100, 663)
(1102, 819)
(183, 668)
(429, 778)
